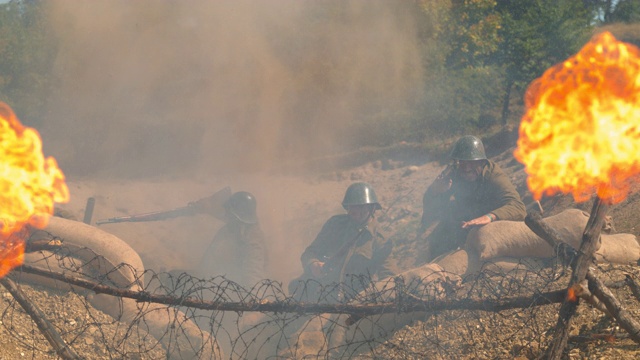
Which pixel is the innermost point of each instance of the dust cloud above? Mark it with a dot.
(206, 89)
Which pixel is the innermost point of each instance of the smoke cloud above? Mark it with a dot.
(150, 87)
(224, 88)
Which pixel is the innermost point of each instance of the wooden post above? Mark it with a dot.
(612, 306)
(62, 349)
(623, 317)
(589, 245)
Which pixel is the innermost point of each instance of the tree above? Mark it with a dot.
(536, 35)
(472, 32)
(612, 11)
(515, 40)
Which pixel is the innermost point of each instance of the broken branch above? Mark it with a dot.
(45, 327)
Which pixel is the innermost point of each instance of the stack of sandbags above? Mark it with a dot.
(98, 254)
(515, 239)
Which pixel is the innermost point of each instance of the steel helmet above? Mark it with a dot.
(242, 205)
(360, 193)
(468, 148)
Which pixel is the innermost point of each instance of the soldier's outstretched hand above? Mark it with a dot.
(479, 221)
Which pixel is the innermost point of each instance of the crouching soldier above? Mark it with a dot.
(348, 253)
(472, 191)
(238, 249)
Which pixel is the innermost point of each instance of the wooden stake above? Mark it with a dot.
(590, 242)
(623, 317)
(45, 327)
(613, 308)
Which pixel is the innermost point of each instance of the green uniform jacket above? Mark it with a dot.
(238, 253)
(493, 193)
(367, 252)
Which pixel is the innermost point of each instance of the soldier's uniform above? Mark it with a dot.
(238, 249)
(354, 253)
(491, 193)
(237, 252)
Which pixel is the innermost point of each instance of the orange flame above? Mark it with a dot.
(581, 130)
(29, 186)
(571, 294)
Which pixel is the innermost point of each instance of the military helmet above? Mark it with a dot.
(242, 205)
(468, 148)
(360, 193)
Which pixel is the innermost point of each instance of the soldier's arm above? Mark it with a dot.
(509, 205)
(382, 256)
(316, 252)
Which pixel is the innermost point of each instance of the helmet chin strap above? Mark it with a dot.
(371, 210)
(370, 216)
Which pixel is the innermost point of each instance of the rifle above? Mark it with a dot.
(151, 216)
(211, 205)
(333, 262)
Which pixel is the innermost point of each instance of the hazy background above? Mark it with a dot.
(186, 97)
(155, 87)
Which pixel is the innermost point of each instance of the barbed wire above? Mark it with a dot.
(167, 315)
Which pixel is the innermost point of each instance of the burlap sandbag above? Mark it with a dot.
(515, 239)
(618, 249)
(110, 257)
(107, 254)
(48, 261)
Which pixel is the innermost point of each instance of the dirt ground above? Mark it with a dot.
(292, 208)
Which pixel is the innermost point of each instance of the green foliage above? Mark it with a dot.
(539, 34)
(626, 11)
(490, 49)
(464, 101)
(614, 11)
(26, 56)
(473, 35)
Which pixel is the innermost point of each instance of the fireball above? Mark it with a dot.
(29, 186)
(580, 134)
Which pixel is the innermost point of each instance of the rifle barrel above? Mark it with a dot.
(152, 216)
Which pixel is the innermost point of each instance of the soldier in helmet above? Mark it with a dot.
(472, 191)
(238, 249)
(348, 245)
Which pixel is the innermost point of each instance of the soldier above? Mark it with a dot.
(472, 191)
(349, 245)
(238, 249)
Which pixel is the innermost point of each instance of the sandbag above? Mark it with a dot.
(98, 249)
(464, 262)
(502, 266)
(425, 282)
(160, 321)
(460, 262)
(515, 239)
(48, 261)
(618, 249)
(102, 253)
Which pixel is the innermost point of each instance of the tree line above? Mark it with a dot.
(482, 54)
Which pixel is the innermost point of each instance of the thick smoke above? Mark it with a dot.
(222, 89)
(151, 87)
